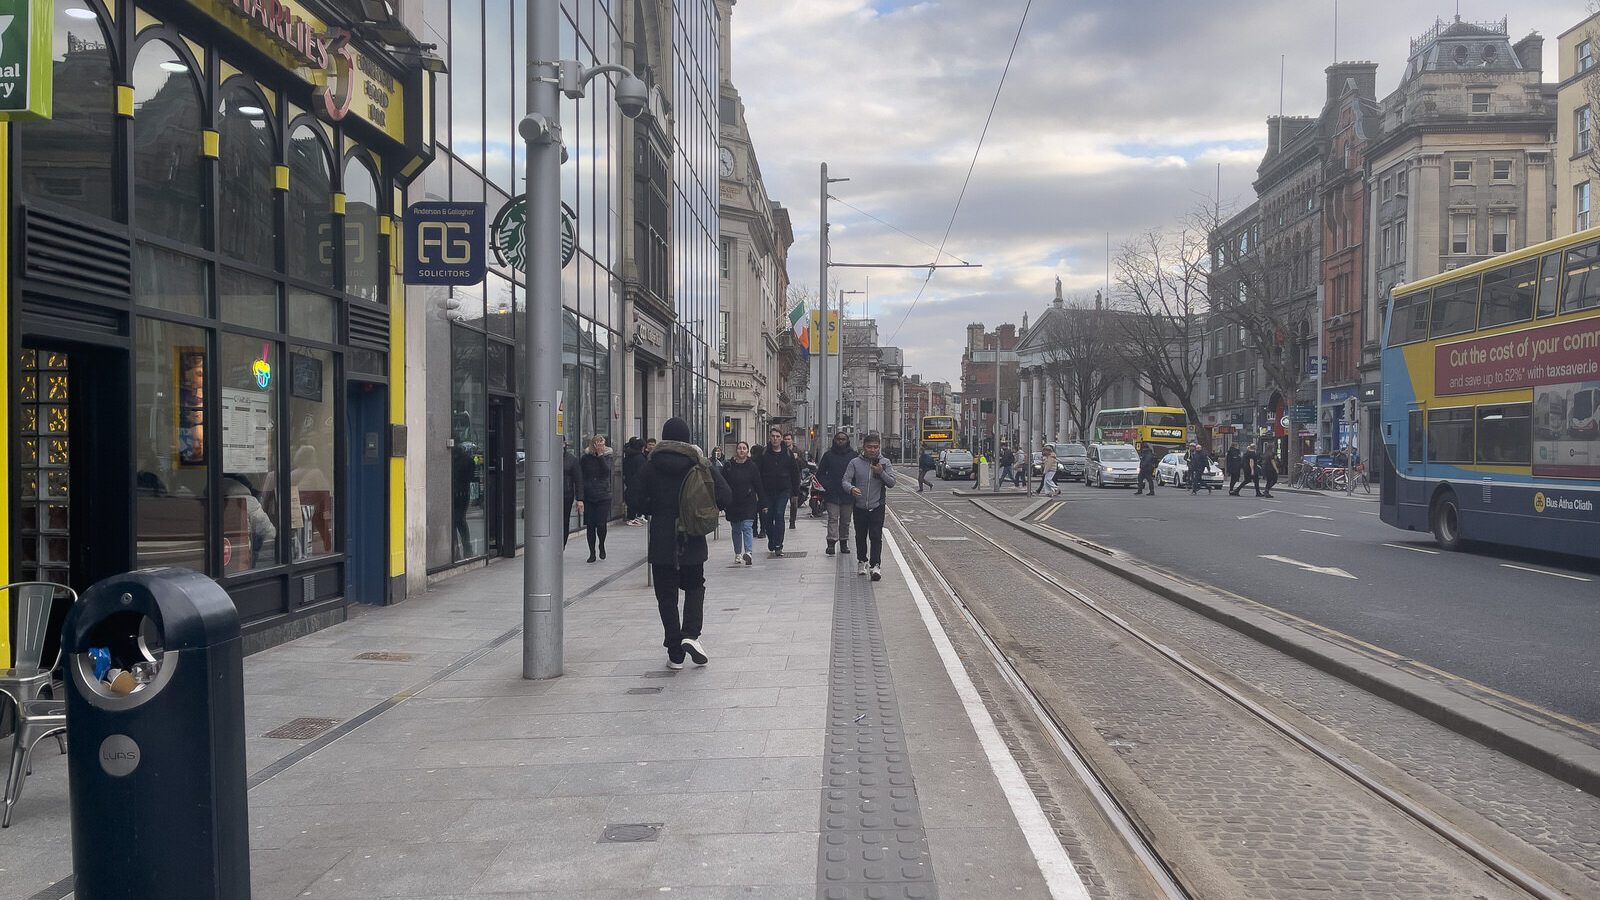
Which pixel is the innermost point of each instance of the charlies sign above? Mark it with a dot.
(1553, 354)
(347, 82)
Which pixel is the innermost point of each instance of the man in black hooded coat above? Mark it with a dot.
(677, 561)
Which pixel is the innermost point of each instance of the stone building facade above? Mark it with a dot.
(1575, 162)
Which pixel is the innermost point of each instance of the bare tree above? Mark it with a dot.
(1253, 294)
(1163, 277)
(1080, 359)
(1591, 91)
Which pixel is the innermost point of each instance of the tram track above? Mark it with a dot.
(1141, 841)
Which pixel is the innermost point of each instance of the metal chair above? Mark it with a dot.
(22, 685)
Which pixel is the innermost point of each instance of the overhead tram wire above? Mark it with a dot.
(970, 167)
(908, 234)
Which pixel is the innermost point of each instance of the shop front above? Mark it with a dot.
(200, 300)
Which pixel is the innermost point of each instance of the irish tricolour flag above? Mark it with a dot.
(800, 323)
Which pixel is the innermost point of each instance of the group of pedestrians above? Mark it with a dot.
(1245, 467)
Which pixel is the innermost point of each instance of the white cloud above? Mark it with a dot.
(1115, 118)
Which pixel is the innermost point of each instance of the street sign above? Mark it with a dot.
(1283, 422)
(1303, 413)
(26, 71)
(510, 240)
(444, 243)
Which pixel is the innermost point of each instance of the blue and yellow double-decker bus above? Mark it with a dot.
(1491, 382)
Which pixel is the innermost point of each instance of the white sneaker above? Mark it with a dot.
(696, 652)
(877, 573)
(861, 568)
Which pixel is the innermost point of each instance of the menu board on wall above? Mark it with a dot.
(246, 430)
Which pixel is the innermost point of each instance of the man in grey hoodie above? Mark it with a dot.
(868, 478)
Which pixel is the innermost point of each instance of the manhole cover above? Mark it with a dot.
(630, 834)
(386, 656)
(302, 729)
(654, 690)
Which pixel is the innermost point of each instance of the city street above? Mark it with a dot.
(1515, 622)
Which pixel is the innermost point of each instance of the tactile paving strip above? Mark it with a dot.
(873, 845)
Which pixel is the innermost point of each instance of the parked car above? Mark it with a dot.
(1072, 461)
(954, 464)
(1174, 470)
(1112, 464)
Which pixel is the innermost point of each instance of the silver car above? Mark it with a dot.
(1112, 464)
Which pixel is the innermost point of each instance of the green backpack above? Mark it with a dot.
(698, 515)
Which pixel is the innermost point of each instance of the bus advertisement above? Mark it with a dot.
(1491, 383)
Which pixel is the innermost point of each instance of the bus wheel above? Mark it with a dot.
(1447, 521)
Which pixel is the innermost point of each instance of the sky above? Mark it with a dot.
(1114, 119)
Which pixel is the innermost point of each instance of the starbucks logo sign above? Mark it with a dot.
(509, 234)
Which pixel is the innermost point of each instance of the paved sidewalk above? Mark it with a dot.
(445, 774)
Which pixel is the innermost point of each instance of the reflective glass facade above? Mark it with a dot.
(472, 331)
(694, 210)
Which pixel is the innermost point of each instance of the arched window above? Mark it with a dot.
(69, 158)
(309, 227)
(362, 261)
(244, 191)
(169, 190)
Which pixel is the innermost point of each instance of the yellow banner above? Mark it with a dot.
(833, 330)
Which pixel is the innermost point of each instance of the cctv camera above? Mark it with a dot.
(633, 97)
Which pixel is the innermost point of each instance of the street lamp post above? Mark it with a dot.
(548, 77)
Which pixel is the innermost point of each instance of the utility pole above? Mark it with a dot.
(996, 461)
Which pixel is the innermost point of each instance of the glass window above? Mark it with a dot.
(1505, 434)
(310, 215)
(1549, 284)
(1461, 170)
(466, 82)
(1480, 102)
(171, 281)
(1410, 318)
(499, 358)
(246, 201)
(363, 258)
(1582, 129)
(248, 409)
(1450, 435)
(1414, 434)
(1499, 233)
(468, 429)
(312, 440)
(69, 158)
(1585, 56)
(1455, 307)
(169, 188)
(1580, 206)
(500, 118)
(1500, 170)
(501, 305)
(1461, 235)
(311, 315)
(1508, 294)
(1400, 239)
(247, 300)
(172, 517)
(1583, 278)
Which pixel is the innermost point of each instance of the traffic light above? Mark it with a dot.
(727, 426)
(813, 432)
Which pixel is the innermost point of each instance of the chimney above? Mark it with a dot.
(975, 336)
(1365, 75)
(1530, 52)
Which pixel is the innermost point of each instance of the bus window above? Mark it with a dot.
(1505, 434)
(1410, 320)
(1583, 278)
(1508, 294)
(1170, 420)
(1450, 435)
(1455, 307)
(1414, 437)
(1549, 284)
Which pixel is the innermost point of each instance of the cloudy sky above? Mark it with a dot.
(1114, 118)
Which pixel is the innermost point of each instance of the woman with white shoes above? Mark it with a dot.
(748, 499)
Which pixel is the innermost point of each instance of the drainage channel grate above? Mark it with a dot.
(649, 690)
(302, 729)
(386, 656)
(791, 554)
(631, 834)
(668, 673)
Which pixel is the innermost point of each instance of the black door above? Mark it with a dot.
(500, 501)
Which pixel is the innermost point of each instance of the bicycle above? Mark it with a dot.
(1360, 479)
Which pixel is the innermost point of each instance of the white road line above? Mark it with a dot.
(1060, 875)
(1366, 512)
(1323, 533)
(1413, 549)
(1542, 572)
(1320, 570)
(1320, 505)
